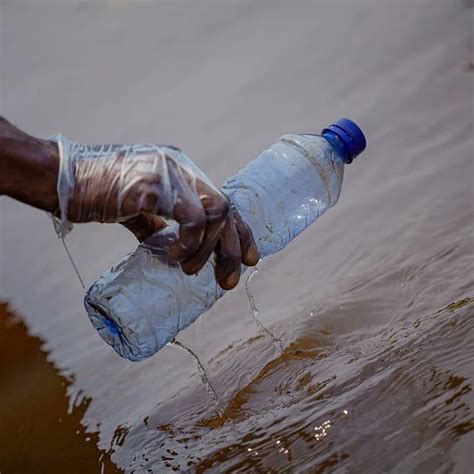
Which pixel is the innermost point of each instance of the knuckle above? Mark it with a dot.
(219, 209)
(223, 206)
(198, 220)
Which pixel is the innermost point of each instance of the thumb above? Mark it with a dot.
(144, 225)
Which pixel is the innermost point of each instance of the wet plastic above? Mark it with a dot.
(96, 183)
(142, 303)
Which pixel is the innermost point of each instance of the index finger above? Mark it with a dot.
(192, 223)
(249, 250)
(216, 207)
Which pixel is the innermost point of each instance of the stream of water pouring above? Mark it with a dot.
(203, 371)
(204, 374)
(276, 342)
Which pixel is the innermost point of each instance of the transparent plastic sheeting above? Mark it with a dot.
(142, 302)
(98, 183)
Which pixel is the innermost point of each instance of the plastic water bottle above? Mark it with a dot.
(141, 304)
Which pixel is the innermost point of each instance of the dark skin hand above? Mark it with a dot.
(29, 170)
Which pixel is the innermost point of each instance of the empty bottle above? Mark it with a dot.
(141, 303)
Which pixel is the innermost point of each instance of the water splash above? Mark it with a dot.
(276, 342)
(204, 374)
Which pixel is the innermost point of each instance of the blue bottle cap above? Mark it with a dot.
(350, 137)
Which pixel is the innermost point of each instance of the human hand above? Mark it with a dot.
(141, 186)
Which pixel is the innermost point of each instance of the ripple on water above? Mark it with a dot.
(317, 407)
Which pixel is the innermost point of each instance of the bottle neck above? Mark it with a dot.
(334, 140)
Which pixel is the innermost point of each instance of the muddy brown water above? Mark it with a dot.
(40, 431)
(373, 306)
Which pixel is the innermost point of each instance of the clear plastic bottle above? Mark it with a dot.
(141, 304)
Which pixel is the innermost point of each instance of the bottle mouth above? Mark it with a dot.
(349, 136)
(124, 339)
(109, 325)
(111, 332)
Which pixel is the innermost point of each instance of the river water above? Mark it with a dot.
(369, 366)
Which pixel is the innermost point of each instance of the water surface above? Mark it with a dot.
(373, 306)
(40, 426)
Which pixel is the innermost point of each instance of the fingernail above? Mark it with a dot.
(252, 256)
(232, 279)
(190, 267)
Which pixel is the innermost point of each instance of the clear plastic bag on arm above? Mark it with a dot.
(98, 182)
(144, 186)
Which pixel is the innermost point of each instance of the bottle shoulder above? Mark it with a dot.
(323, 156)
(312, 146)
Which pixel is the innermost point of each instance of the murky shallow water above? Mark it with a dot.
(39, 427)
(372, 306)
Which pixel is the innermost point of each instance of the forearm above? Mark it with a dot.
(28, 168)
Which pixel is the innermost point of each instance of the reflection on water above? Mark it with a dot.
(39, 429)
